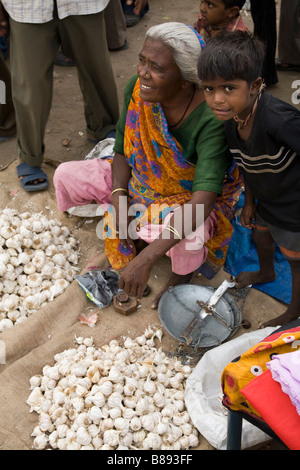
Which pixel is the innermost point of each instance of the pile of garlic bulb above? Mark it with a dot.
(38, 260)
(116, 397)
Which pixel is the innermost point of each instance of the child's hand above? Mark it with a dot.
(248, 216)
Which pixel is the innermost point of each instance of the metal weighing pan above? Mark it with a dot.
(178, 307)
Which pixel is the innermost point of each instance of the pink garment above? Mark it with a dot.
(190, 253)
(80, 182)
(285, 369)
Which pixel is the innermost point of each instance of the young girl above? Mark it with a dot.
(263, 136)
(216, 15)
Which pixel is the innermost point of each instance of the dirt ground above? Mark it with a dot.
(67, 123)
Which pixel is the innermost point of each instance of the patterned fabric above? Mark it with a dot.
(205, 30)
(201, 40)
(41, 11)
(160, 171)
(242, 370)
(162, 180)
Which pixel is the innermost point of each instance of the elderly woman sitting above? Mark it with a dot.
(171, 168)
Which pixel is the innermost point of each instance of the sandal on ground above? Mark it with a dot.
(5, 139)
(63, 61)
(94, 140)
(30, 174)
(131, 20)
(287, 67)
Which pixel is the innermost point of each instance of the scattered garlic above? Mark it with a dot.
(33, 249)
(97, 398)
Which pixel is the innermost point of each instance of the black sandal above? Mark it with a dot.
(287, 67)
(63, 61)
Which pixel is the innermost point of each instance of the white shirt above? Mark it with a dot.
(41, 11)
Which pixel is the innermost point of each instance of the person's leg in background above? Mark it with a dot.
(264, 18)
(32, 81)
(130, 17)
(83, 39)
(115, 26)
(289, 36)
(7, 112)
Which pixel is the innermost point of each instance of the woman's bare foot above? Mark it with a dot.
(289, 316)
(249, 278)
(174, 280)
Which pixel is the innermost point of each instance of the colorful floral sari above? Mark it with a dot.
(161, 180)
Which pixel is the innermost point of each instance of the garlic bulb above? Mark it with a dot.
(83, 437)
(26, 261)
(111, 437)
(98, 398)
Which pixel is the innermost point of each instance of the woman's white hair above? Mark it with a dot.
(185, 46)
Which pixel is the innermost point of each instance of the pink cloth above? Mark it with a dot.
(81, 182)
(190, 253)
(285, 369)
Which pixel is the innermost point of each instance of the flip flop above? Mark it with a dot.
(32, 173)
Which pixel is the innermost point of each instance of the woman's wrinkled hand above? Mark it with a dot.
(135, 276)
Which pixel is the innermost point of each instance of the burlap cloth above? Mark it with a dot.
(32, 344)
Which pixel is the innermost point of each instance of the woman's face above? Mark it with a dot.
(214, 12)
(159, 76)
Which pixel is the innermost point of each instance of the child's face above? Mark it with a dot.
(214, 12)
(227, 99)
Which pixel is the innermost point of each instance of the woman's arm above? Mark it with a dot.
(135, 276)
(121, 173)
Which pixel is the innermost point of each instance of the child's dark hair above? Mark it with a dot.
(234, 3)
(232, 55)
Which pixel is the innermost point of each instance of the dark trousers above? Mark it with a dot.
(289, 32)
(115, 25)
(264, 18)
(7, 113)
(33, 48)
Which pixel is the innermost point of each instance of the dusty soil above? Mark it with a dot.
(67, 123)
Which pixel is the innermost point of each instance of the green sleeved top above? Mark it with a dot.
(203, 141)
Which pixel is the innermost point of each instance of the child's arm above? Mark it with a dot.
(249, 209)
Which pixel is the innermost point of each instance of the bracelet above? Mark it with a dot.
(173, 230)
(119, 189)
